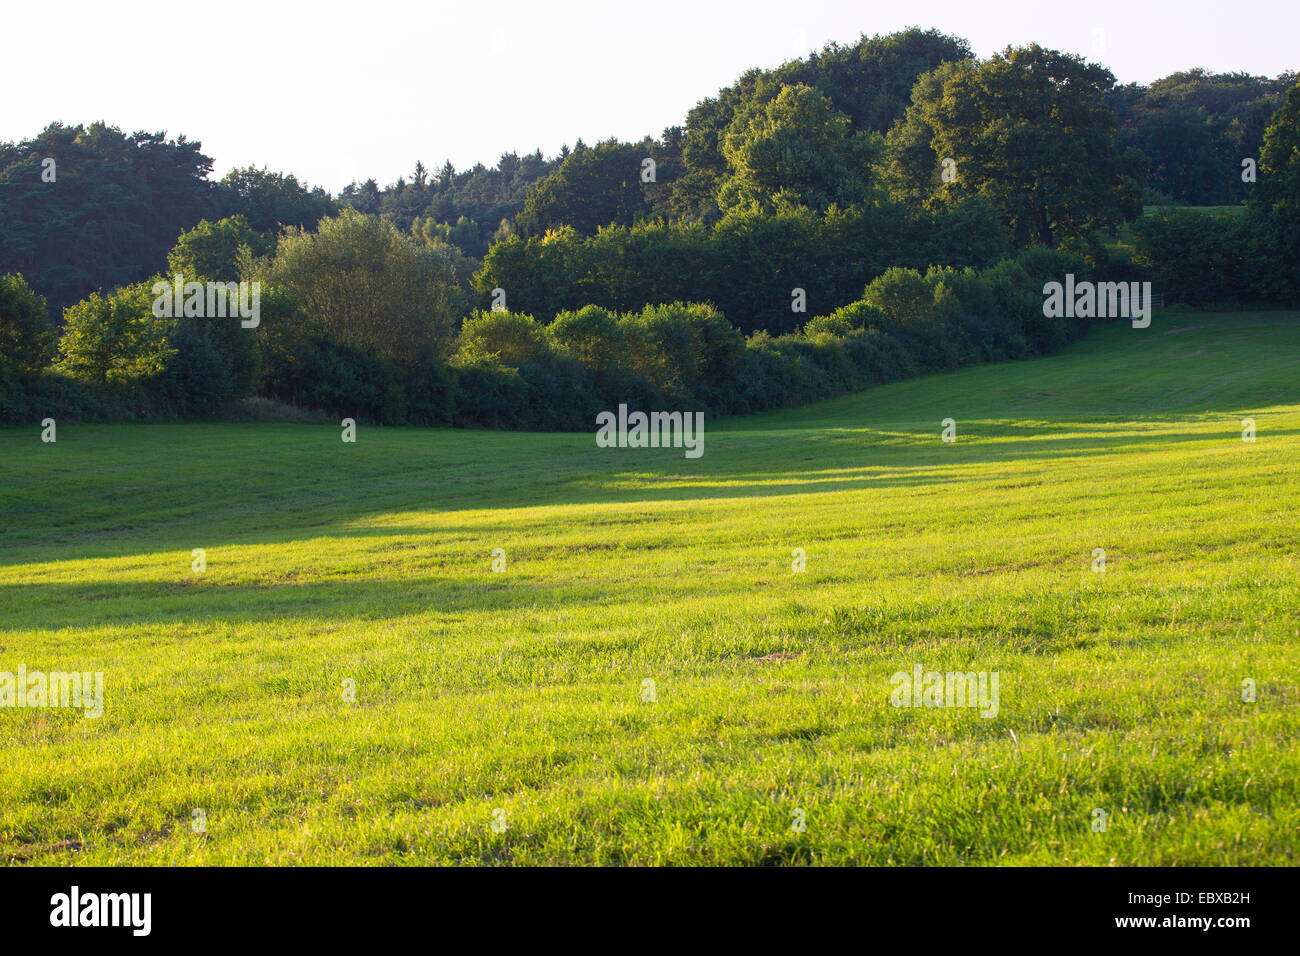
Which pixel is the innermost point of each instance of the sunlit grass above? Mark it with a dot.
(522, 690)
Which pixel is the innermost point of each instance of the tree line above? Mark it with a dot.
(900, 163)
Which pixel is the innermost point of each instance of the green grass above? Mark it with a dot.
(521, 691)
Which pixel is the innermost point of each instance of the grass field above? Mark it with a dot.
(521, 691)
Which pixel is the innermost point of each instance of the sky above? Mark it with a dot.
(334, 92)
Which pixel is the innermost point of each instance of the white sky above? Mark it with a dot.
(334, 92)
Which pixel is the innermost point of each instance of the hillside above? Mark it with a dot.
(521, 691)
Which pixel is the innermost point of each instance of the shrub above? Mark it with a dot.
(213, 250)
(195, 380)
(1043, 265)
(591, 335)
(512, 338)
(65, 399)
(189, 366)
(26, 339)
(346, 381)
(489, 394)
(368, 286)
(746, 265)
(115, 338)
(676, 347)
(1199, 259)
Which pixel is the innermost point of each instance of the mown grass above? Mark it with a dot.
(521, 691)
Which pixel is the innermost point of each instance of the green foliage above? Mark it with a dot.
(466, 234)
(116, 205)
(482, 197)
(1276, 199)
(213, 250)
(173, 366)
(368, 286)
(868, 82)
(1201, 260)
(511, 338)
(747, 264)
(1042, 265)
(910, 168)
(780, 190)
(1031, 131)
(592, 336)
(335, 377)
(116, 338)
(594, 186)
(854, 316)
(688, 356)
(268, 202)
(797, 150)
(26, 339)
(198, 377)
(1195, 128)
(447, 242)
(908, 298)
(55, 395)
(680, 348)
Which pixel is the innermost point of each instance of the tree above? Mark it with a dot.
(26, 339)
(795, 149)
(190, 366)
(869, 82)
(593, 336)
(595, 186)
(113, 209)
(1276, 197)
(511, 338)
(212, 250)
(115, 338)
(910, 168)
(1189, 156)
(1030, 130)
(364, 283)
(270, 201)
(1196, 127)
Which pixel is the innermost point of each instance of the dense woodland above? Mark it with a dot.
(869, 212)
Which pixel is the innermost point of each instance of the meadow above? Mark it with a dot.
(505, 716)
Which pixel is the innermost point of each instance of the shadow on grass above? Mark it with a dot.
(169, 515)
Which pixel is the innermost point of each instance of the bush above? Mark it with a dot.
(512, 338)
(189, 366)
(26, 339)
(348, 382)
(746, 265)
(593, 337)
(52, 395)
(1046, 334)
(214, 250)
(115, 338)
(1197, 259)
(196, 379)
(908, 300)
(489, 394)
(679, 347)
(367, 286)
